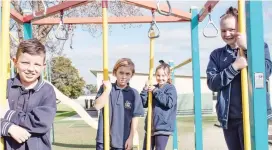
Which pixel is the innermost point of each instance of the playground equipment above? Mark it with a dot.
(255, 54)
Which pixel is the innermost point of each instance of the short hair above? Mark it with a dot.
(124, 62)
(31, 47)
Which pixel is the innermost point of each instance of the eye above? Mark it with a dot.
(38, 65)
(25, 62)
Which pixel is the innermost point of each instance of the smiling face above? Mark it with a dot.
(30, 61)
(29, 67)
(162, 76)
(228, 30)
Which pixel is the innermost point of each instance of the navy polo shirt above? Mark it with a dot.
(124, 104)
(34, 110)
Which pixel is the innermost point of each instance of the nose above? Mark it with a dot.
(227, 33)
(31, 68)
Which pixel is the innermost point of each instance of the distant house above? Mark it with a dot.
(184, 86)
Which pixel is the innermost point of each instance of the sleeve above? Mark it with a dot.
(40, 119)
(100, 92)
(268, 63)
(4, 127)
(144, 98)
(138, 109)
(216, 80)
(167, 98)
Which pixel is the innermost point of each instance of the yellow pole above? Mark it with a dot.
(4, 52)
(149, 112)
(8, 60)
(182, 64)
(106, 71)
(246, 122)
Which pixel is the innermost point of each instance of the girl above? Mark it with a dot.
(164, 107)
(124, 107)
(223, 75)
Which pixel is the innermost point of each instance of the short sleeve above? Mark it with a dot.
(100, 91)
(138, 109)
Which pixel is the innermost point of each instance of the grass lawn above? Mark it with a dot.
(64, 111)
(77, 135)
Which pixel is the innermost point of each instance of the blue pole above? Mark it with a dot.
(196, 79)
(256, 67)
(27, 31)
(175, 134)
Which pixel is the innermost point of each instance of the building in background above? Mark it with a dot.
(184, 86)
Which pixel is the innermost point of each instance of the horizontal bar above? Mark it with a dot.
(55, 9)
(182, 64)
(152, 5)
(111, 20)
(16, 16)
(209, 5)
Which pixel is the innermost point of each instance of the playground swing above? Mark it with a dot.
(44, 12)
(163, 13)
(61, 33)
(153, 26)
(210, 22)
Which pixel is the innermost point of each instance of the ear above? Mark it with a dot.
(44, 65)
(14, 60)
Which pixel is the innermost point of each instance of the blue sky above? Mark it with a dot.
(174, 42)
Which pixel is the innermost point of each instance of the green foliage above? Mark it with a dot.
(91, 88)
(66, 77)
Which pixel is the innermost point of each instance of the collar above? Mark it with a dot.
(158, 86)
(232, 49)
(119, 88)
(17, 83)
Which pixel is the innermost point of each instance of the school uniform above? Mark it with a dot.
(32, 109)
(223, 79)
(164, 108)
(124, 104)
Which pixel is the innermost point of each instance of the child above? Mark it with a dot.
(32, 102)
(164, 107)
(124, 107)
(224, 77)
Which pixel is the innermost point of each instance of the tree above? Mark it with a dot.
(66, 78)
(91, 88)
(46, 33)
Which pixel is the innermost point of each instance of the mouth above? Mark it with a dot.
(229, 38)
(29, 75)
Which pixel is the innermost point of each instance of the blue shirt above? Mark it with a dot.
(164, 108)
(124, 104)
(32, 109)
(235, 108)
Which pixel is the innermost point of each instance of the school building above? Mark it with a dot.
(184, 86)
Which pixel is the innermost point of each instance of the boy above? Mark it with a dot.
(32, 102)
(125, 107)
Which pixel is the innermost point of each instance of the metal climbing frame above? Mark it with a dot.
(255, 51)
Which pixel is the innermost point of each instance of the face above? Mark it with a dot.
(29, 67)
(123, 75)
(162, 76)
(228, 30)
